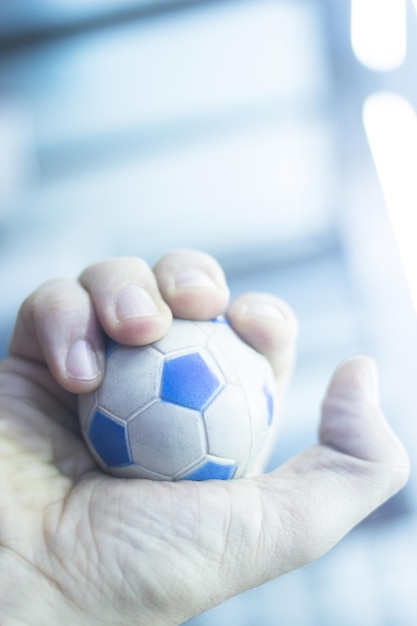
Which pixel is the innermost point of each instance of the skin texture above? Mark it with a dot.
(80, 547)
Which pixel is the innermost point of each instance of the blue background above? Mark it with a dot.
(132, 126)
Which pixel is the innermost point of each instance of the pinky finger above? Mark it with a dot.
(270, 326)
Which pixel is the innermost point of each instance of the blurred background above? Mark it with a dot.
(278, 135)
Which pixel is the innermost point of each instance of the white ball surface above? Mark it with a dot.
(197, 405)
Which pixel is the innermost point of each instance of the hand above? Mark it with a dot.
(80, 547)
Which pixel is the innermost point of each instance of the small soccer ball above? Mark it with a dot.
(197, 404)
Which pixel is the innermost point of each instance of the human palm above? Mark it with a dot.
(78, 546)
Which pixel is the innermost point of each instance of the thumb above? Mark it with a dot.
(358, 464)
(353, 422)
(308, 504)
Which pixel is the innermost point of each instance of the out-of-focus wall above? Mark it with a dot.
(209, 127)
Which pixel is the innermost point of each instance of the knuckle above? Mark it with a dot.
(111, 270)
(50, 301)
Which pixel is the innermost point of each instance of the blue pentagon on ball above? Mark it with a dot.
(196, 405)
(188, 381)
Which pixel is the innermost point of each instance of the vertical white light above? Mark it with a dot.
(378, 33)
(16, 153)
(391, 127)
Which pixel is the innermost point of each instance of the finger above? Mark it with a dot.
(270, 326)
(127, 300)
(357, 466)
(352, 421)
(319, 496)
(57, 325)
(291, 517)
(193, 284)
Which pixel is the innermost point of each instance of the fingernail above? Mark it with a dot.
(262, 309)
(135, 301)
(82, 362)
(193, 278)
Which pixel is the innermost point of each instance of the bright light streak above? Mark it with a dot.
(16, 152)
(378, 33)
(391, 127)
